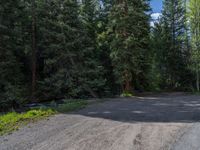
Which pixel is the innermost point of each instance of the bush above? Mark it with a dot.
(11, 97)
(126, 94)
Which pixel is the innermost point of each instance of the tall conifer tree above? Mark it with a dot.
(194, 19)
(176, 51)
(128, 30)
(11, 50)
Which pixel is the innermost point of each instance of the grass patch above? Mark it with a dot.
(126, 94)
(13, 121)
(71, 106)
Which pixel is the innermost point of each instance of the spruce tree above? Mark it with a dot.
(69, 64)
(158, 64)
(103, 46)
(176, 51)
(90, 18)
(11, 52)
(194, 19)
(129, 33)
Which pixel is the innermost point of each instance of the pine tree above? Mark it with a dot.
(34, 48)
(176, 51)
(194, 19)
(103, 47)
(11, 50)
(69, 64)
(91, 15)
(158, 67)
(128, 30)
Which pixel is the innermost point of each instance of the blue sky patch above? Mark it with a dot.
(156, 6)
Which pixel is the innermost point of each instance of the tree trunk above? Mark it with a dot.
(197, 80)
(127, 75)
(34, 51)
(127, 87)
(127, 81)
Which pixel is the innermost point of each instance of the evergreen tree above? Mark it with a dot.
(175, 49)
(158, 67)
(194, 19)
(103, 46)
(129, 30)
(34, 48)
(11, 52)
(91, 14)
(69, 63)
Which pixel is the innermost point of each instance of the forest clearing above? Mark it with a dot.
(74, 74)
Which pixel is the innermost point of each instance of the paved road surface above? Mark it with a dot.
(158, 122)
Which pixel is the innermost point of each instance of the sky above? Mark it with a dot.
(156, 6)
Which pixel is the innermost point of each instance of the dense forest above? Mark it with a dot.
(55, 49)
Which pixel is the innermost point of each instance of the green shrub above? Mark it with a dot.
(126, 94)
(11, 97)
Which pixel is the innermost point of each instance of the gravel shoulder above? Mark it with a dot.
(157, 122)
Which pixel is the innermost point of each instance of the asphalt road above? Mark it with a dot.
(156, 122)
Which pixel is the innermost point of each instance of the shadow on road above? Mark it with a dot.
(163, 108)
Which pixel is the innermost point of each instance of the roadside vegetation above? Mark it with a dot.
(12, 121)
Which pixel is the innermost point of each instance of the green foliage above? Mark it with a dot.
(69, 51)
(128, 31)
(12, 121)
(194, 19)
(12, 97)
(171, 53)
(126, 94)
(12, 85)
(71, 106)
